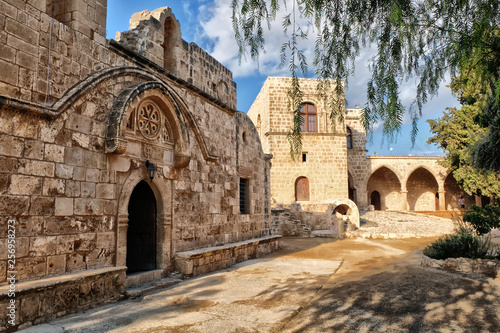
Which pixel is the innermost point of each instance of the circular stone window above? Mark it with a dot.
(149, 119)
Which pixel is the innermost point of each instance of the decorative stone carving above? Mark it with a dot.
(149, 119)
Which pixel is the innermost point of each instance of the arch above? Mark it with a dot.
(348, 137)
(345, 207)
(161, 187)
(385, 182)
(422, 188)
(453, 192)
(302, 189)
(309, 116)
(178, 116)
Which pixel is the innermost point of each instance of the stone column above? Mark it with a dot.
(442, 200)
(121, 240)
(164, 240)
(404, 198)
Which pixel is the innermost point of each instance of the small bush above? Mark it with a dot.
(483, 219)
(459, 246)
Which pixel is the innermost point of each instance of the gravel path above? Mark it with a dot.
(392, 224)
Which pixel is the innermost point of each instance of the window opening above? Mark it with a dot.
(309, 117)
(244, 196)
(349, 138)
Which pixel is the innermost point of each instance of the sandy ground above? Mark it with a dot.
(312, 285)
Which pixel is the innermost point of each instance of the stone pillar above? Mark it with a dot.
(121, 240)
(404, 198)
(164, 240)
(442, 200)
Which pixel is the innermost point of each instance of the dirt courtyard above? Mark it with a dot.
(312, 285)
(381, 287)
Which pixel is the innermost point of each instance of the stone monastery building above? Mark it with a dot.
(124, 160)
(334, 163)
(83, 122)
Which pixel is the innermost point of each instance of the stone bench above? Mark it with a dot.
(37, 301)
(202, 261)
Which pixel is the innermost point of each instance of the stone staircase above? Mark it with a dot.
(285, 224)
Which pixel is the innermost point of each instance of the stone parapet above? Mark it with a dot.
(206, 260)
(38, 301)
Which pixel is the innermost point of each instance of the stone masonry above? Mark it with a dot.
(80, 118)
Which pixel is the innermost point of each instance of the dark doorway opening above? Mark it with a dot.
(375, 200)
(141, 232)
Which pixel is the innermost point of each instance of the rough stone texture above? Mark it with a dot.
(73, 146)
(197, 262)
(465, 265)
(335, 171)
(41, 300)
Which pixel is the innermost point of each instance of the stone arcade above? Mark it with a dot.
(334, 165)
(81, 118)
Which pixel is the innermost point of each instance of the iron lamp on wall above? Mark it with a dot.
(150, 167)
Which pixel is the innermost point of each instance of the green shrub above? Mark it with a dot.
(483, 219)
(459, 246)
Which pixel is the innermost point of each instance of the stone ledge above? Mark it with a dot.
(26, 286)
(488, 267)
(37, 301)
(201, 261)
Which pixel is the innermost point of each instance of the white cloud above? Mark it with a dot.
(218, 33)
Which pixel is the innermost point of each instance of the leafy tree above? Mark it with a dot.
(458, 132)
(423, 38)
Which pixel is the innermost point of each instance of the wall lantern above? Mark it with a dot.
(151, 170)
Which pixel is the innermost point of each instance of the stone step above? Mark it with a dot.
(140, 290)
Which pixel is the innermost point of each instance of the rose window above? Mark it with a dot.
(149, 120)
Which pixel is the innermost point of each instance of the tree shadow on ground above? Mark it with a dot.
(401, 297)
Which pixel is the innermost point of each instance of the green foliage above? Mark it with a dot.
(458, 132)
(422, 38)
(483, 219)
(458, 246)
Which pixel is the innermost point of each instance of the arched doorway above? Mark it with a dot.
(141, 232)
(387, 186)
(375, 200)
(302, 189)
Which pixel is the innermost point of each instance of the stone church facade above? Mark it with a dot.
(82, 119)
(333, 164)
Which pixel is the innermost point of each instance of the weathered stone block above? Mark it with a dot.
(56, 264)
(33, 149)
(88, 207)
(105, 191)
(43, 246)
(64, 171)
(37, 168)
(63, 206)
(73, 156)
(26, 185)
(10, 146)
(88, 190)
(42, 206)
(53, 187)
(54, 153)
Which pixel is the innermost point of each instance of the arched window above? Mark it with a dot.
(309, 115)
(302, 189)
(349, 137)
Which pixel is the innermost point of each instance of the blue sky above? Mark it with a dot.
(208, 24)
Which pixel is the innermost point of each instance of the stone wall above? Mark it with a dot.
(71, 159)
(150, 32)
(325, 164)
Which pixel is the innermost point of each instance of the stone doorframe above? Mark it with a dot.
(162, 189)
